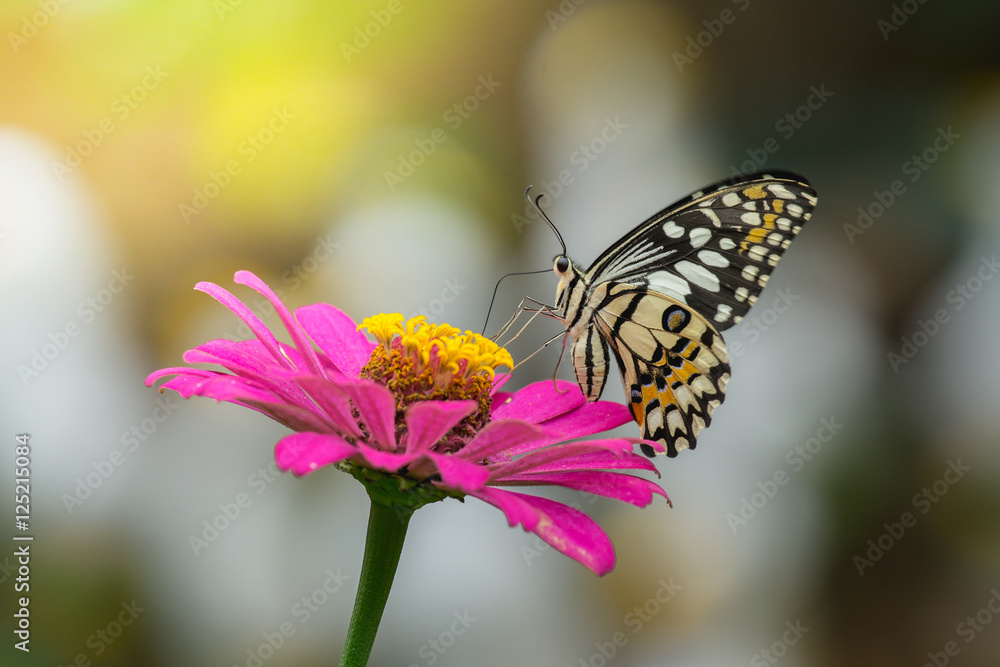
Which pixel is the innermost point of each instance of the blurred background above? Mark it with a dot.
(844, 506)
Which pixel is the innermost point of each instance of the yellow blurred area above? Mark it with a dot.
(158, 99)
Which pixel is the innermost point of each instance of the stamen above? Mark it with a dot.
(419, 361)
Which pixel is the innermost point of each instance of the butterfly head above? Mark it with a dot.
(567, 273)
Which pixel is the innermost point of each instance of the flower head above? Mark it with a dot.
(417, 416)
(418, 361)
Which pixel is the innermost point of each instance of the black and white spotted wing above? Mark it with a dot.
(659, 297)
(715, 249)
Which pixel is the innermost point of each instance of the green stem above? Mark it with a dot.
(383, 544)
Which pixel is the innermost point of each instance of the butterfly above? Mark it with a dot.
(660, 297)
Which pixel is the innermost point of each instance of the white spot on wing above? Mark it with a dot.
(700, 236)
(731, 199)
(698, 274)
(751, 218)
(727, 243)
(749, 272)
(675, 422)
(724, 313)
(669, 284)
(713, 258)
(697, 423)
(713, 216)
(780, 190)
(702, 386)
(742, 293)
(672, 229)
(654, 420)
(757, 253)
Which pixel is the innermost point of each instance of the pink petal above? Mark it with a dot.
(233, 389)
(457, 474)
(176, 370)
(292, 416)
(303, 453)
(499, 436)
(298, 335)
(377, 407)
(258, 328)
(499, 398)
(333, 399)
(540, 401)
(220, 386)
(248, 359)
(556, 452)
(337, 335)
(382, 460)
(569, 531)
(601, 460)
(428, 421)
(627, 488)
(499, 380)
(588, 419)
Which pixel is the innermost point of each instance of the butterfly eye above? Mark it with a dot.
(562, 264)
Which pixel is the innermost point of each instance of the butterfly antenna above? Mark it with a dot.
(535, 202)
(497, 287)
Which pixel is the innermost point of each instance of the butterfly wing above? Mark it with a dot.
(673, 362)
(714, 250)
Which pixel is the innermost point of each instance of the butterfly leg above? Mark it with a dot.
(562, 353)
(544, 345)
(539, 309)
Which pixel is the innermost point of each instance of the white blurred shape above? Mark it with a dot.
(413, 254)
(70, 376)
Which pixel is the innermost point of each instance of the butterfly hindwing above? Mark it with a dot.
(673, 362)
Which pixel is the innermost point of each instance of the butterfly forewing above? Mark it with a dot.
(660, 296)
(715, 249)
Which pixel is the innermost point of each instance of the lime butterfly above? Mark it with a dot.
(661, 295)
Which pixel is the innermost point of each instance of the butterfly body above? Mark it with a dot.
(658, 299)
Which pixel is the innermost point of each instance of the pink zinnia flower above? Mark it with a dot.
(416, 415)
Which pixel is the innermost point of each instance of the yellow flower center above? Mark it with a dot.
(419, 361)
